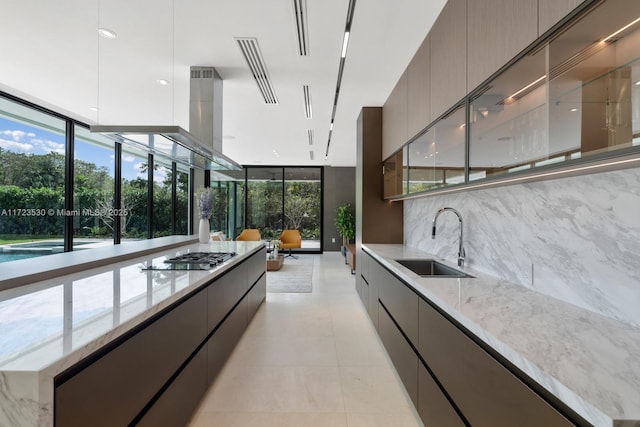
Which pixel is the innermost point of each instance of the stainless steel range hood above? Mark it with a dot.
(175, 143)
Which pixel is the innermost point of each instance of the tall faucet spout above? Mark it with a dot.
(461, 251)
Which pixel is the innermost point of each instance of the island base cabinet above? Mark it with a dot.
(176, 405)
(402, 355)
(433, 407)
(113, 389)
(485, 392)
(257, 295)
(221, 344)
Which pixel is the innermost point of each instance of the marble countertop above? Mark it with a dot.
(588, 361)
(48, 326)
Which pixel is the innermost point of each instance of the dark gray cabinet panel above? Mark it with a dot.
(176, 405)
(224, 293)
(402, 355)
(483, 389)
(433, 407)
(113, 389)
(224, 340)
(256, 295)
(256, 265)
(399, 299)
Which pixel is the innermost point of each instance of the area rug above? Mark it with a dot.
(293, 277)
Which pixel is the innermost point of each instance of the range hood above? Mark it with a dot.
(200, 149)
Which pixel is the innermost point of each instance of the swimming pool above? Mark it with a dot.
(5, 257)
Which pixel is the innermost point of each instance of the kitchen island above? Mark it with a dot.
(579, 366)
(120, 344)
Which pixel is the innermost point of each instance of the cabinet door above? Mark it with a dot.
(551, 12)
(400, 300)
(178, 402)
(486, 393)
(223, 341)
(394, 118)
(433, 407)
(418, 90)
(225, 292)
(256, 295)
(497, 31)
(400, 352)
(448, 65)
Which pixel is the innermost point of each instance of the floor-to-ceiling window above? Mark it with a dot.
(228, 206)
(281, 198)
(135, 194)
(303, 203)
(93, 189)
(32, 181)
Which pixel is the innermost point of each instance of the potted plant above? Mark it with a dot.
(345, 224)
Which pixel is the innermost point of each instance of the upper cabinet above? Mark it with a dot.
(418, 90)
(448, 76)
(394, 118)
(552, 11)
(497, 31)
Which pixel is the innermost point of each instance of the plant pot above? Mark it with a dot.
(204, 233)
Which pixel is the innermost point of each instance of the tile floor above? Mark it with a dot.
(309, 360)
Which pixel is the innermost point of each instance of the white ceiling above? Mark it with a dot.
(52, 55)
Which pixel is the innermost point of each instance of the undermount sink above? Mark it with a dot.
(431, 268)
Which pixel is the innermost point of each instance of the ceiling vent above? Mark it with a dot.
(251, 52)
(302, 32)
(310, 136)
(308, 112)
(311, 154)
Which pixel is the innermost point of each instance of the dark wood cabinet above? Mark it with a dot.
(433, 407)
(177, 404)
(482, 388)
(402, 355)
(400, 300)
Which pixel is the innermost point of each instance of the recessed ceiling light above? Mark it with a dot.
(162, 82)
(107, 33)
(637, 83)
(93, 108)
(573, 110)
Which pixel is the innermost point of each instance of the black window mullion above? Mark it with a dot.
(174, 197)
(117, 195)
(150, 222)
(68, 185)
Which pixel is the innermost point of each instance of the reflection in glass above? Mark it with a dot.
(577, 96)
(228, 206)
(437, 157)
(182, 200)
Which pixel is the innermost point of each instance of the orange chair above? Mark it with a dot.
(250, 235)
(290, 239)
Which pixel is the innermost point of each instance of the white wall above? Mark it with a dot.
(580, 234)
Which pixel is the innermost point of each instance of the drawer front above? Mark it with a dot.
(224, 293)
(486, 393)
(433, 407)
(402, 355)
(399, 299)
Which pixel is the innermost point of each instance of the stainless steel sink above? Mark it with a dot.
(431, 268)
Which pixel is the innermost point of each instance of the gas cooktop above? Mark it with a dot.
(193, 261)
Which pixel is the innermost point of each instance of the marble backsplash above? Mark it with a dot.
(576, 239)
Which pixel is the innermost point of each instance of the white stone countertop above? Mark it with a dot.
(590, 362)
(48, 326)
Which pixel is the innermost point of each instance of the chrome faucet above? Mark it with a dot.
(461, 253)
